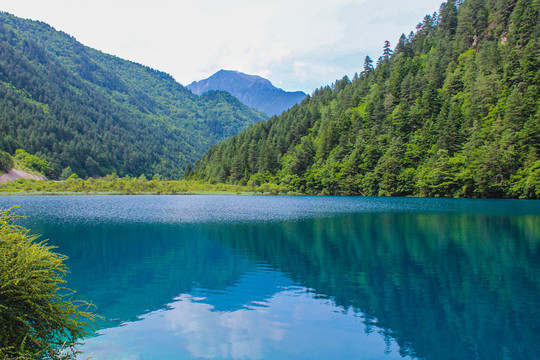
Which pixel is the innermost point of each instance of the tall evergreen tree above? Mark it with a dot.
(387, 51)
(368, 65)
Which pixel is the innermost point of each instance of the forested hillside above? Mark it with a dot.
(95, 114)
(453, 110)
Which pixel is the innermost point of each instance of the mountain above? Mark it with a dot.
(453, 110)
(92, 113)
(252, 90)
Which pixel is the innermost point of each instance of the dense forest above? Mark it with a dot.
(90, 113)
(452, 110)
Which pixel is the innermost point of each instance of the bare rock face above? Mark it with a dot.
(14, 174)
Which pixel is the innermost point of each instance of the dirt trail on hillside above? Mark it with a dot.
(14, 174)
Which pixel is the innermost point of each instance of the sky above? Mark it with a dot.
(296, 44)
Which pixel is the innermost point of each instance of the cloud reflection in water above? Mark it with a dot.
(282, 326)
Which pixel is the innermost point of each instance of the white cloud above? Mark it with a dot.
(300, 70)
(192, 39)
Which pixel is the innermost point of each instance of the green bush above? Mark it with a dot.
(6, 161)
(38, 319)
(32, 161)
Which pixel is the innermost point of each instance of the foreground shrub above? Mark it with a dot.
(38, 319)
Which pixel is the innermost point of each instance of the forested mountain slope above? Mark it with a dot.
(452, 111)
(254, 91)
(98, 114)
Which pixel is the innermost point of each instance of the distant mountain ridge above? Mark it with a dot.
(252, 90)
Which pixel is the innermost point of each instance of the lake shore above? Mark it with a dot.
(113, 185)
(93, 193)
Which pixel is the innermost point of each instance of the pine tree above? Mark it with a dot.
(387, 51)
(368, 65)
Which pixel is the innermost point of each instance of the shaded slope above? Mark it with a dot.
(99, 114)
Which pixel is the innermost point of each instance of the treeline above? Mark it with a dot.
(453, 110)
(97, 114)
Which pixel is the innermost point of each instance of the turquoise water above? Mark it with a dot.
(245, 277)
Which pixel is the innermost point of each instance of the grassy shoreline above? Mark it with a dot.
(113, 185)
(91, 193)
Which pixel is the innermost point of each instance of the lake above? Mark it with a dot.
(287, 277)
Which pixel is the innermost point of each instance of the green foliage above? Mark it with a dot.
(38, 319)
(99, 114)
(6, 161)
(454, 111)
(32, 162)
(67, 173)
(112, 184)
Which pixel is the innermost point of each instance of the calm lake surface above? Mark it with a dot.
(262, 277)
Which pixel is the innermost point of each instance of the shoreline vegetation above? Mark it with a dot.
(32, 181)
(114, 185)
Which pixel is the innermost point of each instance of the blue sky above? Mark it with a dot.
(296, 44)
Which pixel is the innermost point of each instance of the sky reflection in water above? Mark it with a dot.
(292, 324)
